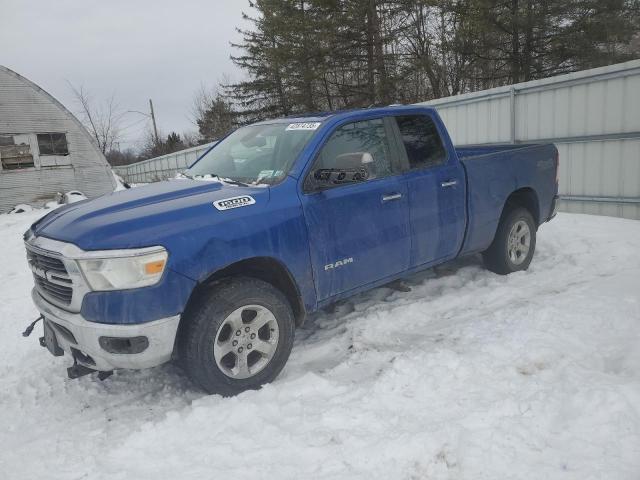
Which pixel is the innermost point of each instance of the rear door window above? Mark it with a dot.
(421, 141)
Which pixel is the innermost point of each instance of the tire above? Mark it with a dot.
(508, 252)
(242, 318)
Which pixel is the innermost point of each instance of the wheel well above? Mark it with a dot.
(266, 269)
(526, 198)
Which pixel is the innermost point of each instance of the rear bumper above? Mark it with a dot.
(75, 334)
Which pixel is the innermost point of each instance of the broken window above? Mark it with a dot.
(52, 144)
(14, 156)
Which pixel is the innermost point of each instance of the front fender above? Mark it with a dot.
(139, 305)
(278, 232)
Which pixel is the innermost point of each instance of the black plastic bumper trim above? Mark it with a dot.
(124, 345)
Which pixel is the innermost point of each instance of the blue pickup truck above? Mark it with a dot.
(277, 220)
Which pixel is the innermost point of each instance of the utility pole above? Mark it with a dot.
(153, 118)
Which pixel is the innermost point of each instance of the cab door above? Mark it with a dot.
(358, 232)
(436, 189)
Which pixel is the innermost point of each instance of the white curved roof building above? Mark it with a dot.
(44, 149)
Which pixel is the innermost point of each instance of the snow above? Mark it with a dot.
(59, 199)
(119, 182)
(469, 376)
(72, 197)
(21, 208)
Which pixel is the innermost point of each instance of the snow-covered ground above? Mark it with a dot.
(471, 375)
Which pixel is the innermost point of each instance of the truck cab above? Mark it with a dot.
(277, 220)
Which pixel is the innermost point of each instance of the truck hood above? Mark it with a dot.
(144, 216)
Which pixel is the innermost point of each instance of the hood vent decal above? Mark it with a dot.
(234, 202)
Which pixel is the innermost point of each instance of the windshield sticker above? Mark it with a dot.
(234, 202)
(303, 126)
(265, 174)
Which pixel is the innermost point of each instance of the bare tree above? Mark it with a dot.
(148, 146)
(202, 99)
(102, 120)
(190, 138)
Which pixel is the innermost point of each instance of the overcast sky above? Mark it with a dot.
(139, 49)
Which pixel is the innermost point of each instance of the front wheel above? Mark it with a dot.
(514, 244)
(238, 336)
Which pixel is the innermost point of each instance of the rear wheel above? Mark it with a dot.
(238, 336)
(514, 244)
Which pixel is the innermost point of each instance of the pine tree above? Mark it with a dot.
(306, 55)
(215, 116)
(174, 143)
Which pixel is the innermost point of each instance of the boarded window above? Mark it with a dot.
(52, 144)
(14, 156)
(6, 140)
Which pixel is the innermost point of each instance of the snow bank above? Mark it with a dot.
(471, 375)
(120, 183)
(61, 198)
(21, 208)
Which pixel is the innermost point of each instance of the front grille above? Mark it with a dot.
(46, 263)
(51, 277)
(60, 293)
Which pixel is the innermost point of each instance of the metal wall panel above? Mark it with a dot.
(161, 168)
(592, 116)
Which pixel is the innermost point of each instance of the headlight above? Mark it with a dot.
(124, 272)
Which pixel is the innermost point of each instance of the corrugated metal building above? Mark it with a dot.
(592, 116)
(161, 168)
(44, 149)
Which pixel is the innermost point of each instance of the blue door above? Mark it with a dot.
(436, 189)
(359, 232)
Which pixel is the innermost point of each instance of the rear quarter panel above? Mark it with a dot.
(493, 176)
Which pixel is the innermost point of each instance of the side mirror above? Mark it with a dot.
(354, 160)
(353, 167)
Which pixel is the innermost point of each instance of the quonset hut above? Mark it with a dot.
(44, 149)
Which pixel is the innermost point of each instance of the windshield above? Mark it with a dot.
(257, 154)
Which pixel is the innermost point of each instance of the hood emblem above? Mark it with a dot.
(234, 202)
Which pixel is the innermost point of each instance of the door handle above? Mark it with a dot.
(449, 183)
(391, 196)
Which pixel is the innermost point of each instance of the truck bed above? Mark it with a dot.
(473, 151)
(493, 173)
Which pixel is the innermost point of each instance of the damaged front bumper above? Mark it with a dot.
(105, 347)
